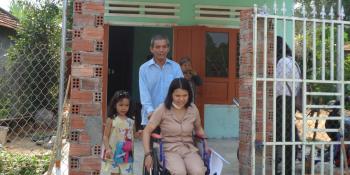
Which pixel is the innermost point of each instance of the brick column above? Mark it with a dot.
(86, 91)
(245, 93)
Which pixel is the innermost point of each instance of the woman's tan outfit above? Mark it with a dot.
(181, 156)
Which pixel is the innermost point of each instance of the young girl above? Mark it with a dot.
(118, 137)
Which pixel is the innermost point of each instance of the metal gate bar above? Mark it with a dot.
(323, 79)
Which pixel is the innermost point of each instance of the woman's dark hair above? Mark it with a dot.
(279, 44)
(118, 96)
(178, 83)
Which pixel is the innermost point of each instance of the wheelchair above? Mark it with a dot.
(158, 157)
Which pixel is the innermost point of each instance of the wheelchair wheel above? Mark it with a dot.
(155, 168)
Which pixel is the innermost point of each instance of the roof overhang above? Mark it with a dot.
(7, 20)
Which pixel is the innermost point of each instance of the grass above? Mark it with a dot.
(14, 164)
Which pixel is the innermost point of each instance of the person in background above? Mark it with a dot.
(190, 75)
(284, 70)
(155, 76)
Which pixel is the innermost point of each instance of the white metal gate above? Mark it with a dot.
(316, 43)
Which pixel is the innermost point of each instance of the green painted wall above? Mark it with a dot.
(228, 114)
(142, 35)
(187, 13)
(142, 38)
(221, 121)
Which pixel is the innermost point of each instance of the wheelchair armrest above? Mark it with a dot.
(200, 137)
(156, 136)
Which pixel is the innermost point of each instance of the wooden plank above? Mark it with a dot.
(142, 9)
(215, 18)
(217, 12)
(232, 8)
(143, 16)
(144, 3)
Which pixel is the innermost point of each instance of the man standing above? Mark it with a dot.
(155, 76)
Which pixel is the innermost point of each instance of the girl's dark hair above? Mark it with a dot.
(279, 44)
(178, 83)
(119, 95)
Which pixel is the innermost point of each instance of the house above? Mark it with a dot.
(110, 42)
(8, 25)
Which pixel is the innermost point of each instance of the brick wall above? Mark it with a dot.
(245, 93)
(86, 87)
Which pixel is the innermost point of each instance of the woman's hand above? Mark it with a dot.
(193, 73)
(109, 153)
(138, 134)
(187, 75)
(146, 135)
(148, 162)
(207, 150)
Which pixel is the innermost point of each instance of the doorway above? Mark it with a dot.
(119, 60)
(128, 49)
(214, 55)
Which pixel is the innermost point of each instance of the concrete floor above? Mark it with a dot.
(225, 147)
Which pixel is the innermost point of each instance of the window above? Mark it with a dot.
(216, 54)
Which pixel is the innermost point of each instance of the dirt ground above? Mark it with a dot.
(25, 146)
(320, 136)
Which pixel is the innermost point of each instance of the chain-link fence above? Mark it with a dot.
(29, 86)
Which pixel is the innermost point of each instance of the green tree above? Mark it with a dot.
(318, 53)
(17, 8)
(309, 4)
(33, 61)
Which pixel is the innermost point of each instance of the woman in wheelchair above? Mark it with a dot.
(177, 118)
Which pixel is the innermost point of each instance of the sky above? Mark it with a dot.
(5, 4)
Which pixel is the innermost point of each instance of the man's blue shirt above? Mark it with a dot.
(154, 84)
